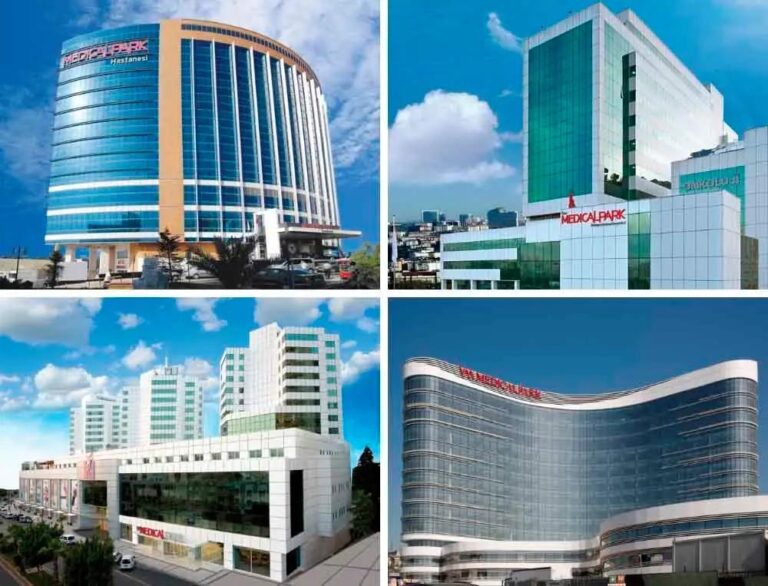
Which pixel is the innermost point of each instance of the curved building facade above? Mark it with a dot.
(193, 126)
(498, 476)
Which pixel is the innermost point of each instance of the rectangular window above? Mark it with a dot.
(254, 454)
(297, 502)
(276, 453)
(251, 560)
(221, 501)
(293, 560)
(233, 455)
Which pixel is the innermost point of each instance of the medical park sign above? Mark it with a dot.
(118, 52)
(595, 217)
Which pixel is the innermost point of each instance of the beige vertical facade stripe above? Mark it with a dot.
(170, 134)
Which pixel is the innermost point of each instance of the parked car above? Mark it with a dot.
(296, 263)
(24, 519)
(117, 556)
(127, 562)
(68, 539)
(280, 278)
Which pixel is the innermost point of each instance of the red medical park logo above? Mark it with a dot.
(156, 533)
(595, 217)
(497, 383)
(105, 51)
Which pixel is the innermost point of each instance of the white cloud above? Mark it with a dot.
(367, 324)
(343, 309)
(48, 321)
(87, 13)
(204, 312)
(447, 138)
(348, 345)
(287, 312)
(202, 369)
(59, 387)
(501, 36)
(89, 351)
(359, 363)
(338, 38)
(9, 379)
(129, 321)
(28, 437)
(141, 355)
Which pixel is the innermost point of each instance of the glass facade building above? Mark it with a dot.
(189, 126)
(607, 108)
(613, 120)
(539, 473)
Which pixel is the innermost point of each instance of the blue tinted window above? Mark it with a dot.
(187, 117)
(105, 196)
(225, 109)
(282, 139)
(294, 123)
(248, 150)
(104, 222)
(265, 120)
(207, 167)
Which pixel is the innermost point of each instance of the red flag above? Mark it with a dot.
(571, 201)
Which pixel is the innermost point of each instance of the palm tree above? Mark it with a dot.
(229, 264)
(53, 268)
(168, 247)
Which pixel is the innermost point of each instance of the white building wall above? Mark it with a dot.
(327, 489)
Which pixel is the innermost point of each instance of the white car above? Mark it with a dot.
(68, 539)
(127, 562)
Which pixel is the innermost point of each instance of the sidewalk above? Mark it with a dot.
(194, 575)
(357, 565)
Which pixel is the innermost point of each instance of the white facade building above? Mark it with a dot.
(94, 425)
(290, 512)
(741, 168)
(286, 377)
(166, 406)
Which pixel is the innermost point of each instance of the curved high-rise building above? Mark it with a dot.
(498, 476)
(193, 126)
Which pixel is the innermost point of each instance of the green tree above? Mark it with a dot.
(53, 268)
(89, 563)
(33, 545)
(365, 480)
(169, 250)
(366, 267)
(231, 262)
(363, 515)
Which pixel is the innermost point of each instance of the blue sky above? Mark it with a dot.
(579, 346)
(53, 352)
(459, 150)
(344, 53)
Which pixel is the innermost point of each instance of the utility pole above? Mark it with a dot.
(18, 252)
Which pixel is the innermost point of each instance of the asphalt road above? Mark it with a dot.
(146, 577)
(6, 579)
